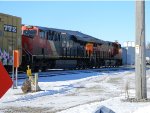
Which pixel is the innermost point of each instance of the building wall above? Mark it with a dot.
(124, 56)
(129, 44)
(148, 53)
(148, 56)
(128, 54)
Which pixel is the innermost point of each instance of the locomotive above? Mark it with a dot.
(45, 48)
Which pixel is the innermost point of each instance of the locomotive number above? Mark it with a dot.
(10, 28)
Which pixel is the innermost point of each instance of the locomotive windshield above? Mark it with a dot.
(30, 33)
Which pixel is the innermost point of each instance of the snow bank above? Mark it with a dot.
(145, 109)
(78, 93)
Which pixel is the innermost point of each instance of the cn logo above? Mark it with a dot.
(5, 80)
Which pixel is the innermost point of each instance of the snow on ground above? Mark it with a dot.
(77, 93)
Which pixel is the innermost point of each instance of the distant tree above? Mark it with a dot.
(148, 45)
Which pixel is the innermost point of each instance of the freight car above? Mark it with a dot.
(44, 48)
(10, 38)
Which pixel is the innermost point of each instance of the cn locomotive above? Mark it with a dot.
(45, 48)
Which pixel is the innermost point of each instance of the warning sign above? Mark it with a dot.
(137, 49)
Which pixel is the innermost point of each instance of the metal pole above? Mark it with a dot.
(16, 77)
(13, 71)
(140, 66)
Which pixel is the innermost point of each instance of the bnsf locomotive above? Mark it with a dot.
(44, 48)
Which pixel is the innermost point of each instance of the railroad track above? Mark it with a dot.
(67, 72)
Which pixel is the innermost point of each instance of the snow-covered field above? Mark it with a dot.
(77, 93)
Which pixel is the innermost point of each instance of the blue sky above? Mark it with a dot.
(108, 20)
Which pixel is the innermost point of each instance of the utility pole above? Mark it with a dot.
(140, 62)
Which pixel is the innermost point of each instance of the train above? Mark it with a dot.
(46, 48)
(56, 48)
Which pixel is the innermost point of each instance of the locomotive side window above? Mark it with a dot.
(50, 35)
(42, 34)
(29, 33)
(71, 43)
(54, 36)
(59, 37)
(72, 37)
(64, 41)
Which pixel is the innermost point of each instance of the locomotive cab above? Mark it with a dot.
(29, 31)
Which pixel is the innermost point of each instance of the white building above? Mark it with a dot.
(129, 44)
(148, 56)
(128, 53)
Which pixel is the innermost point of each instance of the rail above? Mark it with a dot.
(70, 72)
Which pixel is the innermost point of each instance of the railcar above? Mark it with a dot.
(44, 48)
(10, 38)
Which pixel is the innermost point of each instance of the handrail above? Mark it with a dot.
(28, 53)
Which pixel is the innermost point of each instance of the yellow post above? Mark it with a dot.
(29, 73)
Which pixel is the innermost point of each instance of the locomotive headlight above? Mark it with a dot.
(29, 27)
